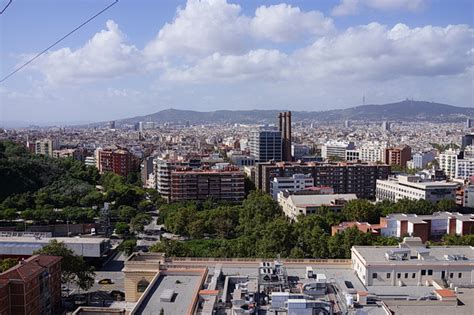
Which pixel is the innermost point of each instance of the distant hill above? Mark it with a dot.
(401, 111)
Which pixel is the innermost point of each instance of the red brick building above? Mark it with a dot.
(120, 162)
(398, 156)
(32, 287)
(227, 184)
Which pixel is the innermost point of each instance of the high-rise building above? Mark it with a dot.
(372, 152)
(467, 140)
(146, 168)
(112, 124)
(356, 178)
(447, 162)
(469, 123)
(420, 160)
(266, 144)
(398, 156)
(347, 124)
(226, 184)
(285, 129)
(386, 126)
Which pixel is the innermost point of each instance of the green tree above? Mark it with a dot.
(361, 210)
(446, 205)
(7, 263)
(121, 228)
(128, 246)
(139, 221)
(73, 268)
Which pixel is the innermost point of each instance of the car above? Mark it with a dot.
(106, 281)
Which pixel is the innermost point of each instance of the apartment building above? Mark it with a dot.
(118, 161)
(413, 264)
(414, 188)
(372, 152)
(32, 287)
(162, 171)
(293, 183)
(447, 162)
(46, 147)
(421, 159)
(398, 156)
(344, 178)
(295, 204)
(427, 227)
(226, 184)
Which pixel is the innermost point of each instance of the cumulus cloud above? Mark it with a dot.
(284, 23)
(392, 53)
(201, 28)
(106, 55)
(205, 27)
(350, 7)
(256, 64)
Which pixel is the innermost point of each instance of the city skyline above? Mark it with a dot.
(142, 57)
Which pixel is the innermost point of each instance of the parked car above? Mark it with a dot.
(106, 281)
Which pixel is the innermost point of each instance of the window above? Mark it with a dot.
(399, 275)
(413, 275)
(388, 275)
(451, 275)
(406, 275)
(430, 272)
(142, 285)
(460, 275)
(374, 275)
(423, 272)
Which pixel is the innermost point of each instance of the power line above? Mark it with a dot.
(5, 7)
(58, 41)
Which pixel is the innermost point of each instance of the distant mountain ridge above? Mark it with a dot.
(407, 110)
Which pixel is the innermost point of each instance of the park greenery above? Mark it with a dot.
(258, 228)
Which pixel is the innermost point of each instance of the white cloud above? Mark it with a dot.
(256, 64)
(202, 28)
(206, 27)
(106, 55)
(284, 23)
(351, 7)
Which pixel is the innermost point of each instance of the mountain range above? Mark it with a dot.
(407, 110)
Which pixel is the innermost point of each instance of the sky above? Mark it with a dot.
(143, 56)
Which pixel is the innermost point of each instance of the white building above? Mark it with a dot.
(336, 149)
(414, 188)
(299, 150)
(294, 205)
(464, 168)
(420, 160)
(411, 263)
(293, 183)
(352, 155)
(372, 152)
(447, 162)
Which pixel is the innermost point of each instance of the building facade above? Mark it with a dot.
(33, 287)
(284, 125)
(266, 145)
(120, 161)
(411, 263)
(293, 183)
(226, 184)
(398, 156)
(336, 149)
(344, 178)
(414, 188)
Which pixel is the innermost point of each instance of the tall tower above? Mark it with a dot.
(285, 129)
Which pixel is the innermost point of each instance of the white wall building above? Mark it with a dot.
(411, 263)
(372, 152)
(414, 188)
(293, 183)
(447, 162)
(336, 149)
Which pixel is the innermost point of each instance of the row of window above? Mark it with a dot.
(424, 272)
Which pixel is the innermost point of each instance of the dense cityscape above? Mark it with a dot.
(229, 157)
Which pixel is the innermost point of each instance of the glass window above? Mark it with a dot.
(374, 275)
(406, 275)
(460, 275)
(413, 275)
(399, 275)
(430, 272)
(423, 272)
(388, 275)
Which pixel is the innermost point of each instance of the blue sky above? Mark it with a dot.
(142, 56)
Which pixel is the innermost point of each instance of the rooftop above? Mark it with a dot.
(319, 200)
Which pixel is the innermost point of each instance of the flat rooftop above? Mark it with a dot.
(319, 200)
(376, 254)
(70, 240)
(185, 288)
